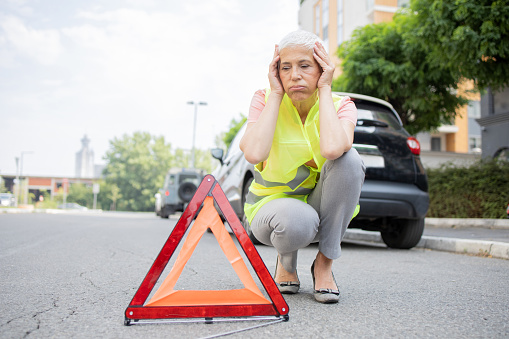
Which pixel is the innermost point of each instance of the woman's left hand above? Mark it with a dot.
(328, 67)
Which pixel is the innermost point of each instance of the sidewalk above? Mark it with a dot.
(484, 237)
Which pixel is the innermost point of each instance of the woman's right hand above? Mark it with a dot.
(276, 86)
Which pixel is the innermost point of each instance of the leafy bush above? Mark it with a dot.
(478, 191)
(81, 194)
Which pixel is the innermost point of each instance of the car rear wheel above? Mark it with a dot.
(166, 211)
(245, 223)
(405, 233)
(186, 191)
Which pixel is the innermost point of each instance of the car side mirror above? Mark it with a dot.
(218, 154)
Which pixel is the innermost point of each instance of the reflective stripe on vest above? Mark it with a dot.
(285, 174)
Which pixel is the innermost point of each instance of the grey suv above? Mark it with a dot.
(179, 188)
(394, 198)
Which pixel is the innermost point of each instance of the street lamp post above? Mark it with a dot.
(21, 176)
(17, 181)
(195, 103)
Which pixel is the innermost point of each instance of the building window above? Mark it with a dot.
(340, 22)
(474, 144)
(325, 20)
(370, 4)
(403, 3)
(436, 144)
(474, 109)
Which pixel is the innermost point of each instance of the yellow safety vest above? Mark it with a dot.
(285, 174)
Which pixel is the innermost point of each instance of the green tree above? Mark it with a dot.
(387, 61)
(203, 160)
(52, 201)
(81, 194)
(137, 165)
(108, 196)
(471, 37)
(114, 195)
(3, 189)
(234, 127)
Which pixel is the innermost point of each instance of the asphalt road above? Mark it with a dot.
(73, 276)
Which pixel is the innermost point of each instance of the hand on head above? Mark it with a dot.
(276, 86)
(326, 64)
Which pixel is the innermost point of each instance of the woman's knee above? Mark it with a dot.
(287, 222)
(297, 224)
(351, 163)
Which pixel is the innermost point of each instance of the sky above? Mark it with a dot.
(109, 68)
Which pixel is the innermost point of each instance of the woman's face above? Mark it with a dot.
(299, 72)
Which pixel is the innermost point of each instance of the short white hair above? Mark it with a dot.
(299, 38)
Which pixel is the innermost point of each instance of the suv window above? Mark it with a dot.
(170, 180)
(189, 178)
(377, 112)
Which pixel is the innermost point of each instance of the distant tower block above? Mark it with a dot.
(85, 160)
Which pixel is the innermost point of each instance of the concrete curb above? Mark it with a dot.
(459, 223)
(47, 210)
(464, 246)
(15, 210)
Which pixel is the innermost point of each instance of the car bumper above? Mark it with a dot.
(392, 199)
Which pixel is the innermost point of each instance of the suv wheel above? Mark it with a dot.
(186, 191)
(405, 234)
(166, 211)
(245, 223)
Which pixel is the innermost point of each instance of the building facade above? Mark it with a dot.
(494, 121)
(31, 187)
(334, 22)
(85, 160)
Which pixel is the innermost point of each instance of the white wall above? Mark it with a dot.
(306, 15)
(355, 16)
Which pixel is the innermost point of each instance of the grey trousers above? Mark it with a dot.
(290, 224)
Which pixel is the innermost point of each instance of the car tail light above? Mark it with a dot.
(414, 145)
(167, 193)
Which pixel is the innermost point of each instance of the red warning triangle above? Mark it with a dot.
(167, 303)
(166, 295)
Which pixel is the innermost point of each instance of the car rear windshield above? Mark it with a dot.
(189, 178)
(369, 111)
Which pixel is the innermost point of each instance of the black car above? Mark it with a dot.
(394, 198)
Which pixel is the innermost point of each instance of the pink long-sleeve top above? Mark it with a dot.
(346, 110)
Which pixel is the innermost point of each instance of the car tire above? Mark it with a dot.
(245, 223)
(166, 211)
(405, 233)
(186, 191)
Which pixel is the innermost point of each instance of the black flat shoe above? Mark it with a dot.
(287, 287)
(324, 295)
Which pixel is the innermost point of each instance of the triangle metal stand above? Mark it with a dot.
(138, 313)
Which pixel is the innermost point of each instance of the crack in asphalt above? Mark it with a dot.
(35, 317)
(89, 280)
(135, 254)
(10, 321)
(72, 312)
